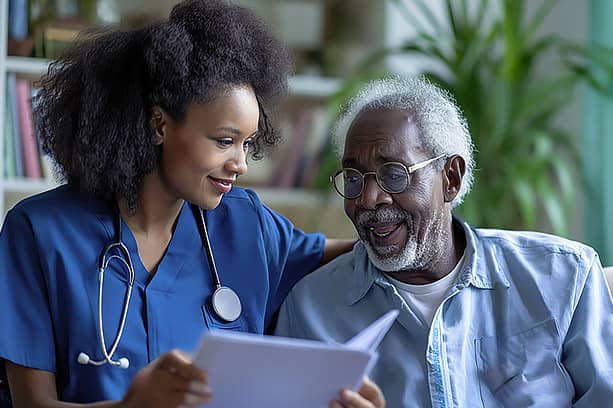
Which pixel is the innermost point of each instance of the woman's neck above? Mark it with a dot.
(153, 223)
(156, 210)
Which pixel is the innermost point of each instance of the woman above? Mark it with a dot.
(150, 128)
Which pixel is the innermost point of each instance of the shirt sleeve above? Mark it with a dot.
(588, 353)
(26, 337)
(291, 253)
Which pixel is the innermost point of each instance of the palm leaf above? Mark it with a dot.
(536, 21)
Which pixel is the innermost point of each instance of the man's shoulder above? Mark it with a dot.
(531, 242)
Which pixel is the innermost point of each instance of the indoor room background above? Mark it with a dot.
(531, 76)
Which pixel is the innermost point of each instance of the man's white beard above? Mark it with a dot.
(413, 255)
(393, 262)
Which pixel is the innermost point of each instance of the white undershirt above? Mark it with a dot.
(425, 299)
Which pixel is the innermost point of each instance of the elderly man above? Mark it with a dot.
(487, 317)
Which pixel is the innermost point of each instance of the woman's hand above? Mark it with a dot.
(169, 381)
(369, 396)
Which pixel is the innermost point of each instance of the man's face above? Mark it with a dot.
(403, 231)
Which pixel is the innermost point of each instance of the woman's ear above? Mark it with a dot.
(453, 173)
(158, 123)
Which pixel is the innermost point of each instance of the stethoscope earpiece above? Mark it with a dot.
(226, 303)
(84, 359)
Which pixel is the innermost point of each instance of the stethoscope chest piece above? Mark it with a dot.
(226, 304)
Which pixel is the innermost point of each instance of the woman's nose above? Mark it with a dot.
(238, 163)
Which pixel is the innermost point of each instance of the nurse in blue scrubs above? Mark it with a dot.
(103, 279)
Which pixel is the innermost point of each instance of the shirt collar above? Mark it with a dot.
(480, 269)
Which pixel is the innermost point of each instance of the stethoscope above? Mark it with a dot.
(226, 303)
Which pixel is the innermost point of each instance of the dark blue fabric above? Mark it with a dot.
(49, 248)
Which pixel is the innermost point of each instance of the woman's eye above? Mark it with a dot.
(225, 142)
(248, 145)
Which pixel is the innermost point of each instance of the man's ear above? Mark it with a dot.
(158, 123)
(453, 173)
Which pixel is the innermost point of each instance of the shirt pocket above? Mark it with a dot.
(523, 370)
(212, 321)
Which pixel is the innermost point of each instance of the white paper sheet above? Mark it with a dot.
(250, 370)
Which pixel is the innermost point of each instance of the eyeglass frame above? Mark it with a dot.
(409, 170)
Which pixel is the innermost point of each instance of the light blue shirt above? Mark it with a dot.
(529, 322)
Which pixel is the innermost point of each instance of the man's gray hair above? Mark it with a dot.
(440, 122)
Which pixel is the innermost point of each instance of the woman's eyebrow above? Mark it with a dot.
(230, 129)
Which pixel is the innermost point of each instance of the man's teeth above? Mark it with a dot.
(379, 234)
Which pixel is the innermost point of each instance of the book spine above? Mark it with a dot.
(11, 82)
(28, 141)
(18, 19)
(9, 152)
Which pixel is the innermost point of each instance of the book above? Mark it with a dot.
(9, 153)
(315, 143)
(29, 143)
(11, 85)
(287, 172)
(18, 19)
(252, 370)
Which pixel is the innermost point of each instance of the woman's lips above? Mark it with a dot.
(223, 186)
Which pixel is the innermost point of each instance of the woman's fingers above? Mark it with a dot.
(178, 363)
(170, 381)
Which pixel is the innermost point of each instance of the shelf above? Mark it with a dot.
(295, 197)
(299, 85)
(27, 186)
(25, 65)
(313, 86)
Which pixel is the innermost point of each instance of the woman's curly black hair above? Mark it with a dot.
(93, 110)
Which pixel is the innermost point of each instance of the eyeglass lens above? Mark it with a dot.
(391, 177)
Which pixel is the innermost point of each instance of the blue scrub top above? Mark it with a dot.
(49, 249)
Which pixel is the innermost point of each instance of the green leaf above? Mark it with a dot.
(566, 184)
(451, 17)
(414, 20)
(537, 19)
(526, 198)
(553, 209)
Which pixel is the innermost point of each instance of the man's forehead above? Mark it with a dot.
(384, 130)
(379, 117)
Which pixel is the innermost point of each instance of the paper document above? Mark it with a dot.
(252, 370)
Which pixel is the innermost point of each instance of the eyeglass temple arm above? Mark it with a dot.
(418, 166)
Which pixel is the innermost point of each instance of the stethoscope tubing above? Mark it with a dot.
(204, 238)
(108, 356)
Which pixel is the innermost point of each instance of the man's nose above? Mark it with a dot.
(373, 195)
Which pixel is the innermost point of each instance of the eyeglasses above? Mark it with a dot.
(392, 177)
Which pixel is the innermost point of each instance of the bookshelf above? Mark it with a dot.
(308, 209)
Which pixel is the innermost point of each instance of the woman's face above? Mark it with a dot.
(203, 155)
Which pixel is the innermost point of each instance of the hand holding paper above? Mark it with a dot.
(248, 370)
